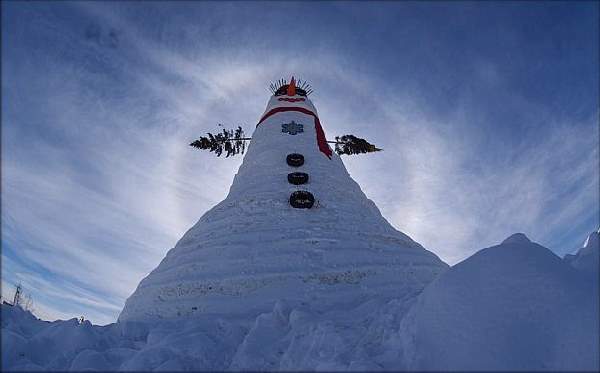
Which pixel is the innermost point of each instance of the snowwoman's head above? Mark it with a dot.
(293, 88)
(294, 93)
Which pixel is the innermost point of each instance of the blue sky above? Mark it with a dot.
(487, 113)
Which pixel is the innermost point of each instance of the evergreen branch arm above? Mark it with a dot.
(350, 144)
(230, 141)
(233, 142)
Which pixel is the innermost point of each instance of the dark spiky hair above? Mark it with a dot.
(280, 87)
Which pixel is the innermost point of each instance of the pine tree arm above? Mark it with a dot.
(234, 142)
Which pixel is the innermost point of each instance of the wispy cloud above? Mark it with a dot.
(456, 192)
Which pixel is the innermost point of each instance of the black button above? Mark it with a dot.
(297, 178)
(295, 159)
(302, 199)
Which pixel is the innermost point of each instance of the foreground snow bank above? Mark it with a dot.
(286, 338)
(32, 344)
(515, 306)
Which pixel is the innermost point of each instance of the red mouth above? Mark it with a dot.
(290, 99)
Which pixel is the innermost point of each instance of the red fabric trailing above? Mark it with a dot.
(321, 140)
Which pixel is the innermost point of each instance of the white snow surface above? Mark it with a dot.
(515, 306)
(253, 248)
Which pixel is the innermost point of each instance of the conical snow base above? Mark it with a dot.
(254, 248)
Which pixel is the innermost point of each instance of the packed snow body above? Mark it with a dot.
(253, 248)
(515, 306)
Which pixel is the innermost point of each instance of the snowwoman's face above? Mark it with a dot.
(290, 95)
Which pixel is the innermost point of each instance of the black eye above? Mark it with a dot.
(282, 90)
(300, 92)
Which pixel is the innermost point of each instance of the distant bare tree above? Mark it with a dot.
(17, 297)
(28, 303)
(25, 301)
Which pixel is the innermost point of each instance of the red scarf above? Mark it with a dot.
(321, 140)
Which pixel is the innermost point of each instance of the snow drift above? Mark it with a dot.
(515, 306)
(587, 259)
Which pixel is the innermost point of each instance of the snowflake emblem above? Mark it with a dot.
(292, 128)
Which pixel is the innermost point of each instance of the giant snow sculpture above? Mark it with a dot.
(316, 239)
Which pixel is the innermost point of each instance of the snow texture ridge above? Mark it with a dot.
(253, 248)
(516, 238)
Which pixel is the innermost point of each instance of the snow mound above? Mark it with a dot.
(587, 259)
(517, 238)
(515, 306)
(31, 344)
(288, 337)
